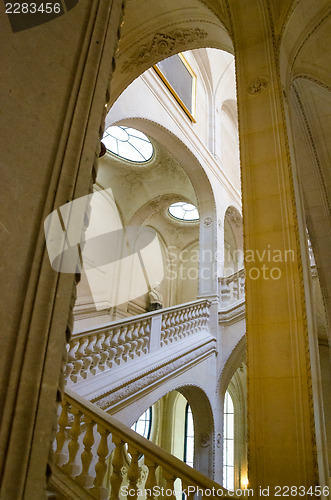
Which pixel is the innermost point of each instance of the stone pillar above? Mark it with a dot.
(55, 77)
(281, 433)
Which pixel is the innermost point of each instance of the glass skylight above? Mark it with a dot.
(128, 143)
(184, 211)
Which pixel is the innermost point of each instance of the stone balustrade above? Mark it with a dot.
(232, 288)
(97, 456)
(102, 348)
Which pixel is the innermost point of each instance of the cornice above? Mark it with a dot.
(147, 379)
(232, 314)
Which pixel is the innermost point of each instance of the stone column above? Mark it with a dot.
(55, 76)
(281, 433)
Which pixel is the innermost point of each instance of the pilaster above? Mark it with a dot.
(281, 432)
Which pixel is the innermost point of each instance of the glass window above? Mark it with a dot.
(144, 424)
(228, 445)
(180, 79)
(128, 143)
(184, 211)
(189, 437)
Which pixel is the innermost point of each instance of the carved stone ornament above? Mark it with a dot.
(163, 45)
(233, 216)
(219, 440)
(207, 222)
(257, 85)
(204, 439)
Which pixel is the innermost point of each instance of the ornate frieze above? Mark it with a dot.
(163, 45)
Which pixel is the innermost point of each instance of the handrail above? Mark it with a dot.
(138, 317)
(107, 346)
(154, 456)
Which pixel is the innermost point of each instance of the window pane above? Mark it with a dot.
(189, 437)
(128, 143)
(228, 443)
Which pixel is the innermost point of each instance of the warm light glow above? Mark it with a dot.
(245, 483)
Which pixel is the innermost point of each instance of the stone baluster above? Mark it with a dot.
(133, 342)
(225, 291)
(71, 467)
(85, 479)
(117, 464)
(61, 435)
(98, 357)
(88, 358)
(164, 330)
(72, 356)
(172, 327)
(242, 285)
(201, 317)
(189, 320)
(133, 472)
(147, 336)
(125, 341)
(188, 495)
(135, 337)
(236, 288)
(170, 484)
(186, 321)
(195, 315)
(119, 347)
(111, 349)
(99, 490)
(140, 339)
(151, 479)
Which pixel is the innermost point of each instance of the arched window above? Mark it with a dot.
(228, 444)
(189, 437)
(143, 425)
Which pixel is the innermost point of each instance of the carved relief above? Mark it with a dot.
(219, 440)
(257, 85)
(207, 222)
(204, 439)
(233, 216)
(163, 45)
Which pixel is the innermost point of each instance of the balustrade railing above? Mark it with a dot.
(107, 459)
(107, 346)
(232, 288)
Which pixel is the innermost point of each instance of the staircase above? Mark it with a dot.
(98, 457)
(113, 361)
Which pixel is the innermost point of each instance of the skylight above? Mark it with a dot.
(184, 211)
(128, 143)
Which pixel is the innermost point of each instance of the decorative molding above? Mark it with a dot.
(160, 371)
(207, 222)
(219, 440)
(204, 439)
(257, 85)
(233, 216)
(163, 45)
(233, 315)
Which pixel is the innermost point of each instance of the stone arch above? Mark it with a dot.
(203, 418)
(236, 358)
(145, 41)
(204, 194)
